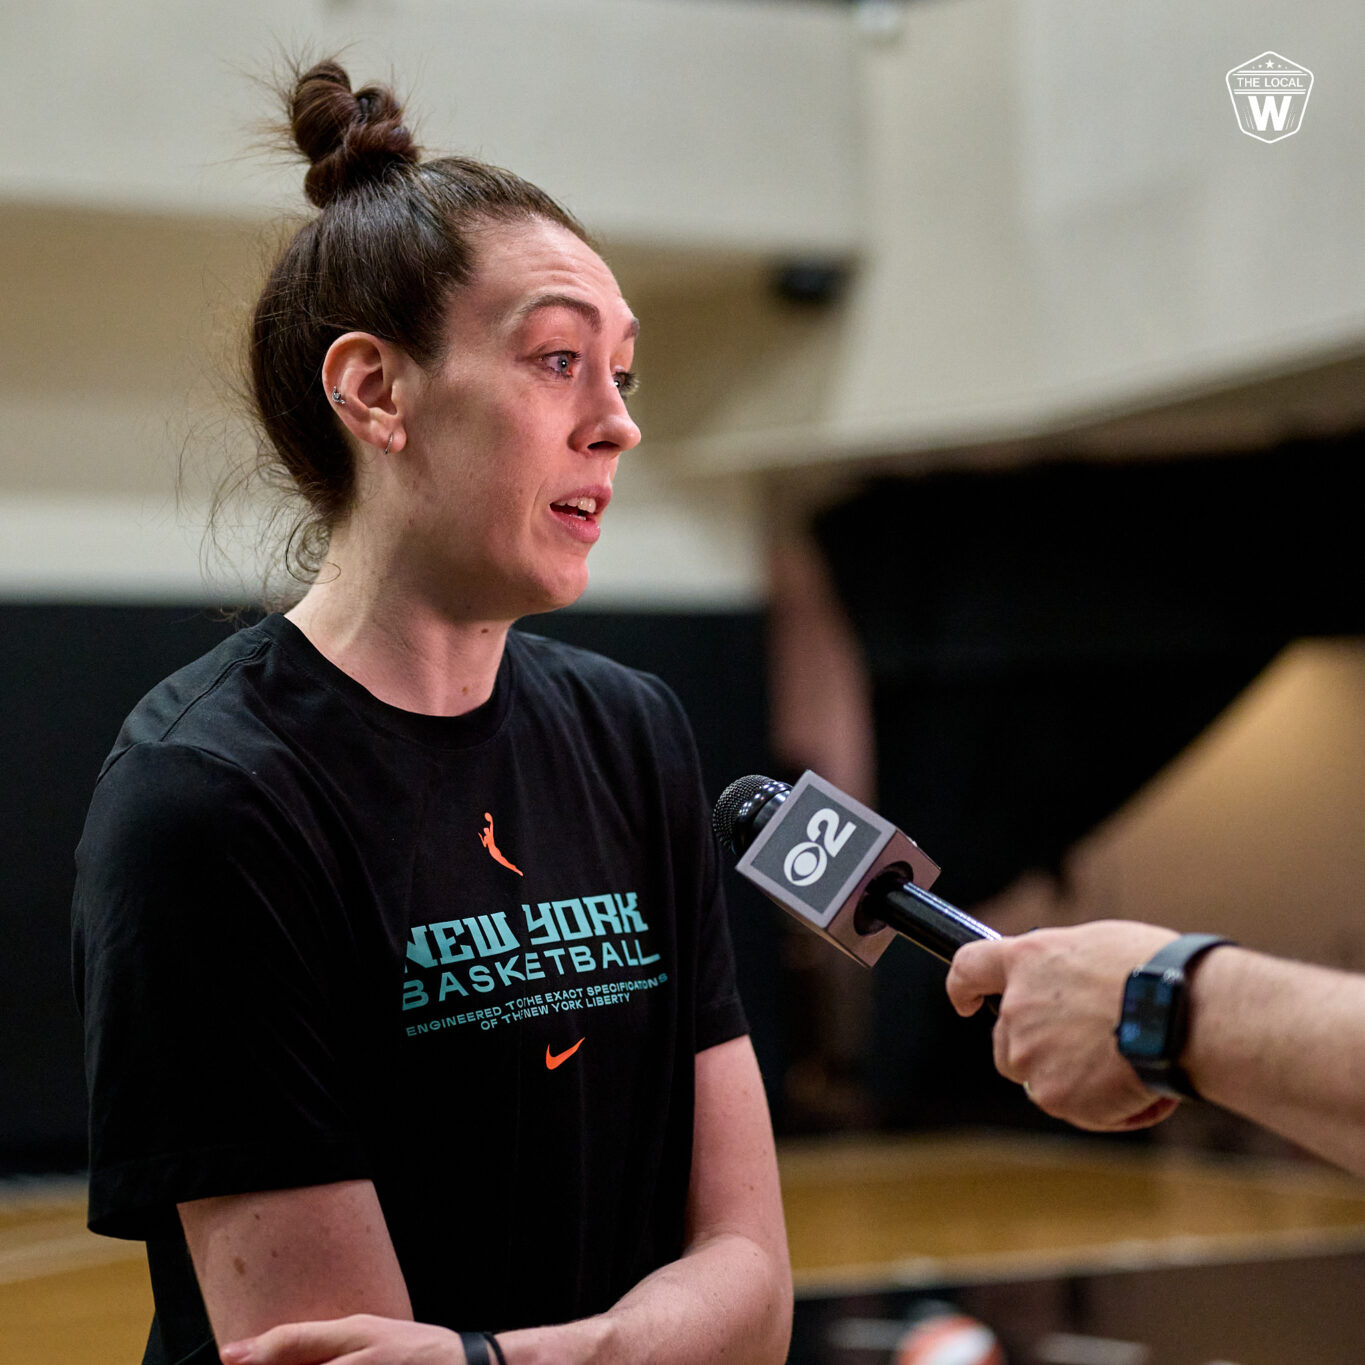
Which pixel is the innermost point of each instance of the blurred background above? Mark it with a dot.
(1000, 396)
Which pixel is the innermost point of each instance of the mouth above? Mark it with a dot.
(581, 515)
(583, 508)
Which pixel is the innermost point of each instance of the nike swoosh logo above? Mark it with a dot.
(552, 1060)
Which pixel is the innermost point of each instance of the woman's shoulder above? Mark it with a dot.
(197, 691)
(217, 714)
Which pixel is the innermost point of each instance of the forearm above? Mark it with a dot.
(726, 1298)
(1283, 1043)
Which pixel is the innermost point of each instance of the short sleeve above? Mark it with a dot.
(208, 956)
(720, 1012)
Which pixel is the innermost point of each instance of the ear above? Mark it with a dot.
(371, 376)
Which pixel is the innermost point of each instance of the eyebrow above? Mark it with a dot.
(582, 307)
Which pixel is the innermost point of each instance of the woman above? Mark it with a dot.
(398, 933)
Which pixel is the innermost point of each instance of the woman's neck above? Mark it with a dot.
(400, 647)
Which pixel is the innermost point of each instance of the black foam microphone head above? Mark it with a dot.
(732, 819)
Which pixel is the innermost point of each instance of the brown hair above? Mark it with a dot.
(390, 245)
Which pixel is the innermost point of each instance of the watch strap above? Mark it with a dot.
(1180, 952)
(1165, 1075)
(475, 1348)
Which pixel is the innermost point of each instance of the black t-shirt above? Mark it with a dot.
(469, 958)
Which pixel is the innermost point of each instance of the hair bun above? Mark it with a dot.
(351, 138)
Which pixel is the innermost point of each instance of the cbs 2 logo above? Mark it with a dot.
(806, 863)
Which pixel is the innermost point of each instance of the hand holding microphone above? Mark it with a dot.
(1057, 1036)
(857, 881)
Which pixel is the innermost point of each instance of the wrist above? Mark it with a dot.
(1209, 984)
(481, 1348)
(589, 1341)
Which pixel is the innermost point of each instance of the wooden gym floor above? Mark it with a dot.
(865, 1217)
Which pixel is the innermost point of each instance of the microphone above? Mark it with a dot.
(839, 868)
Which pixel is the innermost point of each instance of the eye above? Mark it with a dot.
(562, 362)
(627, 381)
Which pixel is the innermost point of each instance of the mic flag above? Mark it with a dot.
(816, 854)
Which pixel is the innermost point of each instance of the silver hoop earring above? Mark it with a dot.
(337, 398)
(388, 443)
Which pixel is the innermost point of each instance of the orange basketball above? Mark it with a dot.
(949, 1339)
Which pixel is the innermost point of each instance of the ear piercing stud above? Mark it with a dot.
(340, 401)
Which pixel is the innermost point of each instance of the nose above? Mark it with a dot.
(608, 427)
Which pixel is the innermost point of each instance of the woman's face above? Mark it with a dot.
(512, 441)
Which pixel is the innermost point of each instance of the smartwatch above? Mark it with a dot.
(1154, 1024)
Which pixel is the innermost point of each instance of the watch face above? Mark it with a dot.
(1149, 1017)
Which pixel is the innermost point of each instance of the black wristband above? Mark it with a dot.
(1181, 953)
(477, 1346)
(476, 1349)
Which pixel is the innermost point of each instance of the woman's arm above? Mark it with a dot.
(321, 1251)
(728, 1297)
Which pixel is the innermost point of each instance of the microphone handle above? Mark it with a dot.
(928, 922)
(925, 919)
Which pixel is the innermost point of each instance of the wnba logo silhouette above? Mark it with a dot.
(805, 863)
(1269, 96)
(494, 852)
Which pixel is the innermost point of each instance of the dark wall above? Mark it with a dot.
(1041, 643)
(68, 676)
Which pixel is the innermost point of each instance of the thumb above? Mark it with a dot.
(978, 970)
